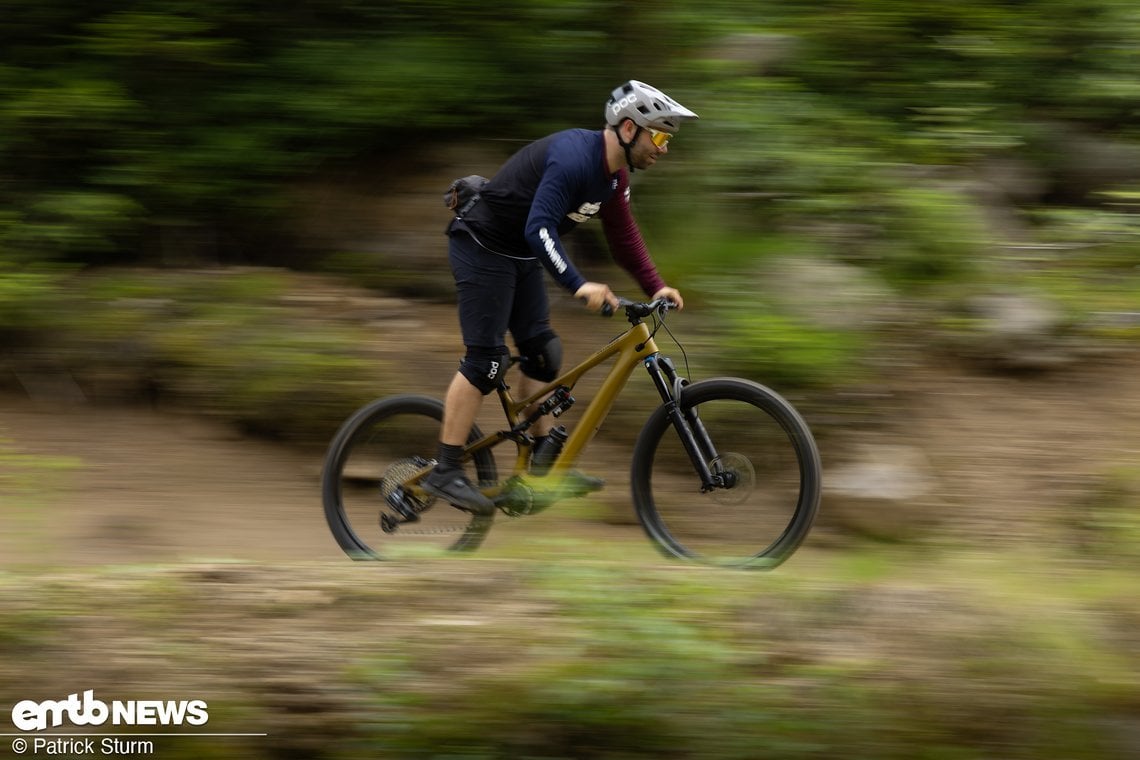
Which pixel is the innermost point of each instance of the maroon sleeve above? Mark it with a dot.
(626, 244)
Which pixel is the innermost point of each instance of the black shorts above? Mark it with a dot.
(497, 293)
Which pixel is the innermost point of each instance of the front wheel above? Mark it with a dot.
(768, 469)
(375, 452)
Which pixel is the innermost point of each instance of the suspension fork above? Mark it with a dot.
(687, 423)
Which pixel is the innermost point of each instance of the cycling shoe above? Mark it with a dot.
(453, 487)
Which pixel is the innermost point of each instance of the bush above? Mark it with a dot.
(224, 343)
(787, 352)
(1109, 525)
(932, 237)
(27, 298)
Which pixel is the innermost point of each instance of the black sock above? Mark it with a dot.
(449, 457)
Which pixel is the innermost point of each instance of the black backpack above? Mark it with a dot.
(464, 193)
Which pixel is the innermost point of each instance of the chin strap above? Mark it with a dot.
(628, 146)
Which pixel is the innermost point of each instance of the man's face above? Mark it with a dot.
(644, 153)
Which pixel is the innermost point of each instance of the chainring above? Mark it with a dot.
(517, 498)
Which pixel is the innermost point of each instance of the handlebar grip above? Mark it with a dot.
(607, 310)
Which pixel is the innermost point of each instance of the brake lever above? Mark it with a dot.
(608, 310)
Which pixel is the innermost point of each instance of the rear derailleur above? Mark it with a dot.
(406, 506)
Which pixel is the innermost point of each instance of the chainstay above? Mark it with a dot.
(433, 531)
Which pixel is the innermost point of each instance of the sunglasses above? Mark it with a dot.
(657, 137)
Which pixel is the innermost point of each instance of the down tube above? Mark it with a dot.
(627, 360)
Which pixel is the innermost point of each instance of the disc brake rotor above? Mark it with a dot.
(740, 466)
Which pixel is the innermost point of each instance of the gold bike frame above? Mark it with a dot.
(628, 349)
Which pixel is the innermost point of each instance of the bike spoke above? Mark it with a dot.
(370, 502)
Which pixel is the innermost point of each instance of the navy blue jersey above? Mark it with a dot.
(547, 189)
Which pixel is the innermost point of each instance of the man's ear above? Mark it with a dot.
(628, 129)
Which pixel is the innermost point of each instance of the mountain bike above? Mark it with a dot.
(725, 471)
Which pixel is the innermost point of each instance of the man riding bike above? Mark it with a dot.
(499, 245)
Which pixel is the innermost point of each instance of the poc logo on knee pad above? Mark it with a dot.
(484, 367)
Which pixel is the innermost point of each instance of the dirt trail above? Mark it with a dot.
(144, 486)
(1016, 454)
(132, 485)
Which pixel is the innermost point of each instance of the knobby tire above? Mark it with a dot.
(384, 428)
(765, 442)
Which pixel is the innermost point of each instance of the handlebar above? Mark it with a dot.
(635, 310)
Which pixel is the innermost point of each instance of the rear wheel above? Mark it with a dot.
(377, 449)
(769, 471)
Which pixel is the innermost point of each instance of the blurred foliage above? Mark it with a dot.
(930, 658)
(935, 237)
(27, 299)
(118, 125)
(1108, 527)
(28, 482)
(857, 133)
(225, 343)
(790, 353)
(23, 475)
(172, 133)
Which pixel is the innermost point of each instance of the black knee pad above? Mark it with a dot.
(541, 356)
(485, 367)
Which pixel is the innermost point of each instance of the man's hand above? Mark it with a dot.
(595, 294)
(672, 294)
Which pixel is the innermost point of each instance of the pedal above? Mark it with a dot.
(389, 524)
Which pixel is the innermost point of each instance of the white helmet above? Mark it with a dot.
(647, 106)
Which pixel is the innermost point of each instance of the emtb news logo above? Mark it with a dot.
(88, 711)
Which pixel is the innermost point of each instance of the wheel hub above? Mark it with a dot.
(737, 477)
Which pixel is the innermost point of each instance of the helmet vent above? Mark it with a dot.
(646, 106)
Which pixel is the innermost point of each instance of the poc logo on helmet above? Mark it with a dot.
(618, 105)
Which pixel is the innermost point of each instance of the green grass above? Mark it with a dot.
(886, 652)
(28, 482)
(224, 342)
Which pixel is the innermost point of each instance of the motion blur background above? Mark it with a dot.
(221, 231)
